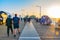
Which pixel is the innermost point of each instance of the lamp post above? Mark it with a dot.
(22, 12)
(40, 9)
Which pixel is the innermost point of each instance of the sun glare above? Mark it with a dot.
(54, 11)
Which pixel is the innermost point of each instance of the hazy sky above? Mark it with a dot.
(15, 6)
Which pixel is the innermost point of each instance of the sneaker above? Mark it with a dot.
(14, 35)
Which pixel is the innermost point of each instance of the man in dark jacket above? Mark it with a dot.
(9, 24)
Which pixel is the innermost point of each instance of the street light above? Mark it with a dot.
(22, 12)
(40, 9)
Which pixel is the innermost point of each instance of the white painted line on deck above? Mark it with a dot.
(29, 32)
(31, 37)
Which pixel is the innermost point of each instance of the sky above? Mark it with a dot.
(14, 5)
(27, 6)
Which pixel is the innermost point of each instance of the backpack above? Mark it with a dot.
(15, 20)
(8, 21)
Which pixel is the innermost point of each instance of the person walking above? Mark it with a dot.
(29, 19)
(25, 21)
(16, 25)
(9, 24)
